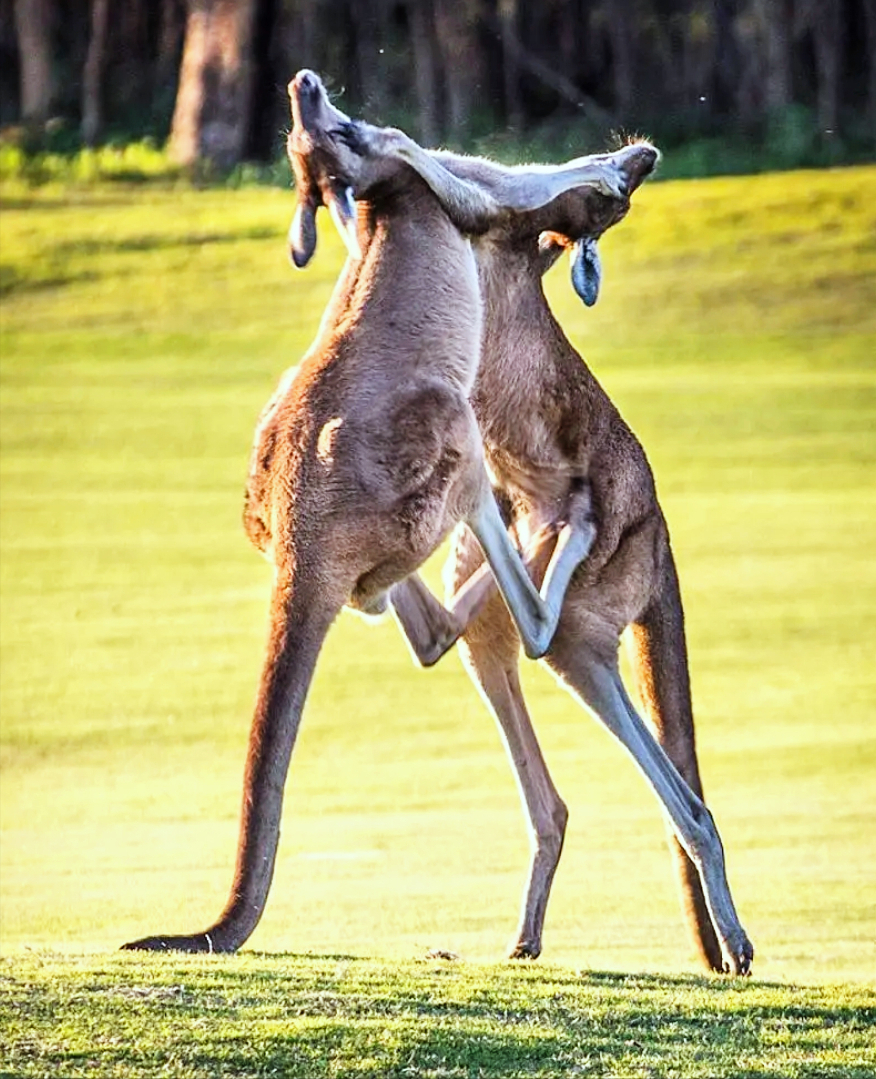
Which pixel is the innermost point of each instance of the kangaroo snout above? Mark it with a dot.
(305, 96)
(312, 111)
(305, 84)
(307, 81)
(640, 161)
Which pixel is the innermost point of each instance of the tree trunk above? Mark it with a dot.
(777, 28)
(422, 37)
(725, 73)
(870, 18)
(92, 75)
(33, 25)
(369, 40)
(827, 35)
(508, 19)
(698, 48)
(456, 24)
(170, 36)
(303, 31)
(211, 117)
(130, 52)
(621, 29)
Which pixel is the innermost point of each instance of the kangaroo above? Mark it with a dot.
(369, 455)
(551, 432)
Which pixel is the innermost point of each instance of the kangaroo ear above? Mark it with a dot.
(586, 270)
(343, 210)
(302, 233)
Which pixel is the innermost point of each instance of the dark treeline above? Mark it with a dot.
(211, 74)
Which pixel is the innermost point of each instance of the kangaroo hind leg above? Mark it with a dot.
(490, 652)
(598, 685)
(300, 618)
(535, 613)
(656, 647)
(497, 677)
(431, 629)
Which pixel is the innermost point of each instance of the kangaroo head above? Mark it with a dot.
(583, 215)
(330, 169)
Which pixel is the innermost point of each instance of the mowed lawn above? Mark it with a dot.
(142, 330)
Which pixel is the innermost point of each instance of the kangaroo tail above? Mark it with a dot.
(299, 621)
(658, 653)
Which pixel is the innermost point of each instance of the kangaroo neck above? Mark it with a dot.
(522, 339)
(413, 299)
(537, 404)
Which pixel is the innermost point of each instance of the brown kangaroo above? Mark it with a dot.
(550, 433)
(371, 454)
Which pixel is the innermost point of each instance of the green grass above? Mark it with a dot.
(135, 162)
(341, 1016)
(141, 332)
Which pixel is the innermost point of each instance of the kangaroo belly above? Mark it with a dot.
(399, 454)
(418, 479)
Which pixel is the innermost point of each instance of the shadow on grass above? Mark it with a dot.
(346, 1049)
(62, 202)
(347, 1017)
(54, 272)
(11, 281)
(158, 242)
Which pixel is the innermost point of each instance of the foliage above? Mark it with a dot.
(133, 162)
(142, 329)
(788, 144)
(742, 86)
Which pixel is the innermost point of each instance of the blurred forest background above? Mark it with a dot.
(742, 84)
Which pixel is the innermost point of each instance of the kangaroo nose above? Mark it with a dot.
(305, 83)
(649, 158)
(640, 164)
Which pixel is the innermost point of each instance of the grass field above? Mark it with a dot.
(142, 330)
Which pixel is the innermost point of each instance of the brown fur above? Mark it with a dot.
(367, 456)
(549, 428)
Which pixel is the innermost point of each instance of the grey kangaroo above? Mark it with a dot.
(552, 438)
(371, 454)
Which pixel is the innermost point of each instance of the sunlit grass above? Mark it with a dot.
(141, 333)
(25, 167)
(345, 1017)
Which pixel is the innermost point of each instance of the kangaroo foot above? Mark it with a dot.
(525, 949)
(738, 955)
(200, 942)
(429, 628)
